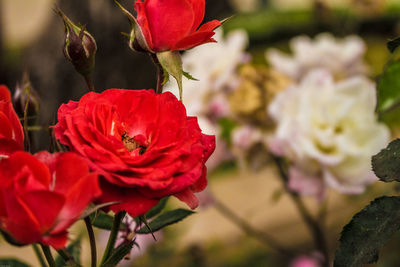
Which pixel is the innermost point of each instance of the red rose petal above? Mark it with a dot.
(46, 217)
(188, 197)
(5, 94)
(132, 201)
(164, 26)
(193, 40)
(198, 10)
(143, 22)
(58, 241)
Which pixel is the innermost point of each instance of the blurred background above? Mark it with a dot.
(31, 39)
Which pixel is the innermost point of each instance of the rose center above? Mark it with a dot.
(131, 144)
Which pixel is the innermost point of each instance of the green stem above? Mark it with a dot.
(313, 225)
(113, 235)
(89, 82)
(49, 257)
(160, 73)
(69, 260)
(92, 240)
(39, 255)
(248, 229)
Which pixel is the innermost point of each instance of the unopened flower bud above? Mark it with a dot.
(79, 46)
(26, 97)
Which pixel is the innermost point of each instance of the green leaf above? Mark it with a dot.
(118, 254)
(102, 220)
(12, 263)
(367, 232)
(188, 76)
(75, 250)
(165, 219)
(172, 63)
(386, 164)
(392, 45)
(389, 88)
(157, 208)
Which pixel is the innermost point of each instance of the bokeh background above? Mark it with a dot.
(31, 39)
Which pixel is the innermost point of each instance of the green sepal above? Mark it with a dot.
(171, 62)
(11, 240)
(136, 31)
(189, 77)
(165, 219)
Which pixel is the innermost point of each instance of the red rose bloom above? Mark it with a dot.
(142, 143)
(174, 24)
(11, 133)
(42, 195)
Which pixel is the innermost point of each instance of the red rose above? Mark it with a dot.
(11, 133)
(42, 195)
(174, 24)
(142, 143)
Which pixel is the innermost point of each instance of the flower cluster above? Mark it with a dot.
(127, 149)
(326, 122)
(61, 182)
(311, 108)
(328, 130)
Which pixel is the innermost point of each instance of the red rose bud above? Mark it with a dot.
(25, 94)
(79, 46)
(41, 196)
(11, 132)
(169, 25)
(143, 144)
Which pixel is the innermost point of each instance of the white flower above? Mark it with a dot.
(342, 57)
(214, 65)
(329, 129)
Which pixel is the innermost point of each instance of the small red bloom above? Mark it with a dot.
(42, 195)
(142, 143)
(11, 133)
(170, 25)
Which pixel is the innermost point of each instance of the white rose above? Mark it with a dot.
(329, 129)
(342, 57)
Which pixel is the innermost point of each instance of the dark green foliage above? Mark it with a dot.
(13, 263)
(386, 164)
(367, 232)
(157, 209)
(102, 220)
(165, 219)
(118, 254)
(393, 44)
(74, 249)
(389, 88)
